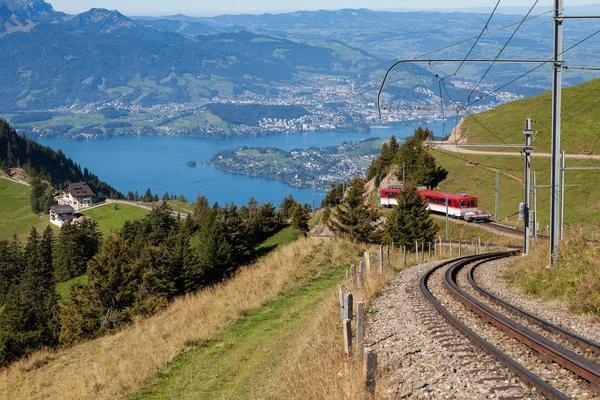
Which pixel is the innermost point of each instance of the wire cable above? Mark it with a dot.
(502, 49)
(485, 28)
(533, 69)
(475, 37)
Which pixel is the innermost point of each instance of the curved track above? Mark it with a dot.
(546, 348)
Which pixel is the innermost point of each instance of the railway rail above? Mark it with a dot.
(547, 349)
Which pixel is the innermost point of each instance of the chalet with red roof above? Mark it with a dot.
(77, 195)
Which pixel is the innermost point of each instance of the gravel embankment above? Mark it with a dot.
(425, 357)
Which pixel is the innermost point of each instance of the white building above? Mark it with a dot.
(77, 195)
(60, 215)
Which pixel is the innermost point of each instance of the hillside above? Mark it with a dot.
(125, 363)
(15, 209)
(42, 161)
(102, 56)
(111, 217)
(580, 130)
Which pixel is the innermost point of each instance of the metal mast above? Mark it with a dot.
(556, 106)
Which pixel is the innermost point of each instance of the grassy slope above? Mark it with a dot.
(122, 363)
(233, 364)
(109, 219)
(584, 206)
(15, 211)
(580, 129)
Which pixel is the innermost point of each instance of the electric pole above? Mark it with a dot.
(447, 222)
(556, 108)
(562, 197)
(527, 151)
(497, 192)
(534, 206)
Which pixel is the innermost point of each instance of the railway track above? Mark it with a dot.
(538, 339)
(510, 229)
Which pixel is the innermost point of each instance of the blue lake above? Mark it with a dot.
(159, 163)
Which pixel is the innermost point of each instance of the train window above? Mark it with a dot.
(463, 204)
(474, 203)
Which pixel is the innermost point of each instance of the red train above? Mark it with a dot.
(459, 205)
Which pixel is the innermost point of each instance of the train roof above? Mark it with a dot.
(451, 196)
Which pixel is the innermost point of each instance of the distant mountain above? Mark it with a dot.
(99, 20)
(18, 14)
(102, 56)
(186, 28)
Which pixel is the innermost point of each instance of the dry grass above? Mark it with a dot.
(575, 280)
(316, 366)
(118, 365)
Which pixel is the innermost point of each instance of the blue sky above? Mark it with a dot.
(204, 7)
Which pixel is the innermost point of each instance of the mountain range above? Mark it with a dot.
(57, 62)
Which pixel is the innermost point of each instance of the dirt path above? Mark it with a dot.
(462, 150)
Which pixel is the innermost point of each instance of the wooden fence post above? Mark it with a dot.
(341, 296)
(404, 251)
(429, 245)
(389, 258)
(346, 281)
(360, 327)
(380, 260)
(354, 280)
(417, 251)
(422, 252)
(348, 306)
(479, 247)
(459, 249)
(361, 273)
(347, 324)
(368, 261)
(370, 371)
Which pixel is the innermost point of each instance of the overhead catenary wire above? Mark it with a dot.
(502, 49)
(533, 69)
(475, 37)
(478, 38)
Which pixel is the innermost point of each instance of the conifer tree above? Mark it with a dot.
(353, 218)
(75, 246)
(287, 206)
(410, 221)
(333, 196)
(29, 320)
(300, 217)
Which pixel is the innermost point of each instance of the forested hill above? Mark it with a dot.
(42, 161)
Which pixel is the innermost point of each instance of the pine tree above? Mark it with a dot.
(334, 195)
(287, 206)
(300, 217)
(30, 318)
(410, 221)
(75, 246)
(421, 168)
(353, 218)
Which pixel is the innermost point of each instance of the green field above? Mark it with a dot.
(110, 218)
(583, 202)
(232, 363)
(15, 211)
(580, 128)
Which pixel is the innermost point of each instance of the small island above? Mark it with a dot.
(312, 168)
(191, 164)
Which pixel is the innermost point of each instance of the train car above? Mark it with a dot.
(459, 205)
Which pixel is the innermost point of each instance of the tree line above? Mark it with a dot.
(134, 271)
(349, 211)
(46, 164)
